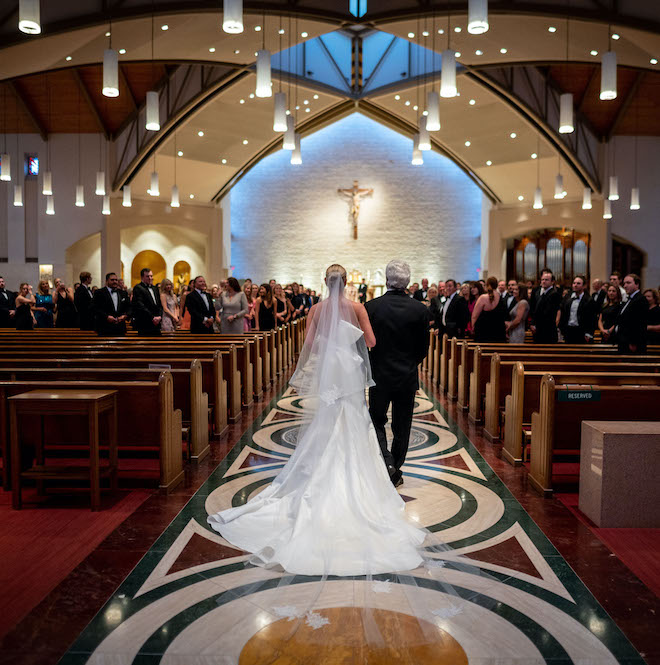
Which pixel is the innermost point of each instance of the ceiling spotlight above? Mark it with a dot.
(415, 108)
(257, 28)
(212, 49)
(68, 58)
(472, 102)
(307, 110)
(241, 101)
(281, 31)
(593, 52)
(552, 29)
(513, 135)
(407, 102)
(237, 51)
(653, 61)
(457, 54)
(441, 31)
(468, 144)
(616, 36)
(503, 51)
(316, 96)
(425, 33)
(305, 102)
(489, 163)
(200, 133)
(107, 34)
(165, 27)
(457, 28)
(245, 141)
(122, 51)
(192, 196)
(251, 95)
(224, 161)
(521, 197)
(304, 35)
(397, 97)
(533, 155)
(180, 153)
(411, 35)
(478, 52)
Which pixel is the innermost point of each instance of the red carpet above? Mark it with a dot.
(40, 546)
(637, 548)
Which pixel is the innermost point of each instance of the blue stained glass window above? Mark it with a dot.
(33, 166)
(357, 7)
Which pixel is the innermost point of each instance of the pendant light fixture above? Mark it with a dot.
(127, 203)
(80, 190)
(174, 201)
(105, 210)
(538, 195)
(80, 196)
(50, 205)
(586, 199)
(613, 194)
(634, 193)
(424, 142)
(18, 196)
(232, 16)
(477, 17)
(110, 70)
(448, 67)
(29, 20)
(47, 184)
(47, 179)
(608, 76)
(100, 174)
(566, 123)
(152, 112)
(289, 142)
(5, 166)
(634, 198)
(559, 186)
(607, 209)
(296, 155)
(433, 108)
(264, 85)
(538, 199)
(279, 106)
(154, 189)
(417, 157)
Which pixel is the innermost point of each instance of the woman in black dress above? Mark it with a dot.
(264, 309)
(25, 301)
(284, 308)
(653, 320)
(607, 318)
(489, 315)
(67, 315)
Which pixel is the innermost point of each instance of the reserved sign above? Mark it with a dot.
(578, 395)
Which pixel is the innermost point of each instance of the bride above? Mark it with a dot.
(332, 509)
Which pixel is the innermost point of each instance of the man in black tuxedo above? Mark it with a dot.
(7, 306)
(631, 321)
(598, 294)
(454, 314)
(577, 314)
(421, 293)
(544, 304)
(201, 308)
(362, 291)
(111, 308)
(83, 300)
(510, 299)
(400, 325)
(146, 307)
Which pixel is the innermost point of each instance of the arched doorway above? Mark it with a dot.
(180, 275)
(148, 259)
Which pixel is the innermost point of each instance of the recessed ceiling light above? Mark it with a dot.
(468, 144)
(108, 33)
(653, 61)
(425, 112)
(441, 31)
(237, 51)
(165, 27)
(552, 29)
(298, 107)
(316, 96)
(245, 141)
(472, 102)
(281, 31)
(241, 101)
(411, 35)
(415, 108)
(457, 28)
(489, 163)
(251, 95)
(534, 155)
(224, 161)
(425, 33)
(513, 135)
(257, 28)
(593, 52)
(304, 34)
(478, 52)
(503, 51)
(122, 51)
(521, 198)
(457, 54)
(212, 49)
(616, 36)
(407, 102)
(305, 102)
(180, 153)
(192, 196)
(200, 133)
(307, 110)
(255, 54)
(68, 58)
(397, 97)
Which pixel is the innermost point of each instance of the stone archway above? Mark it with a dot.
(148, 258)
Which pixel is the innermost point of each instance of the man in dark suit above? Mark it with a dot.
(631, 321)
(83, 299)
(400, 325)
(598, 294)
(421, 293)
(146, 307)
(454, 314)
(577, 314)
(544, 304)
(510, 299)
(7, 306)
(362, 291)
(111, 308)
(201, 308)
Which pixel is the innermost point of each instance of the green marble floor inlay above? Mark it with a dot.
(197, 614)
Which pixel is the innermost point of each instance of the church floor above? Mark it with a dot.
(188, 597)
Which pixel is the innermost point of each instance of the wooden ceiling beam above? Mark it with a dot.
(90, 102)
(580, 105)
(123, 82)
(25, 105)
(623, 109)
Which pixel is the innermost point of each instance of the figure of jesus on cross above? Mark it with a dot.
(355, 196)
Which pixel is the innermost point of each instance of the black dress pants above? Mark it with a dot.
(403, 405)
(574, 335)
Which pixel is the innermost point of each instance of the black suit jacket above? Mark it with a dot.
(456, 319)
(586, 315)
(544, 314)
(7, 302)
(83, 301)
(420, 294)
(198, 312)
(631, 324)
(599, 299)
(144, 309)
(104, 307)
(401, 326)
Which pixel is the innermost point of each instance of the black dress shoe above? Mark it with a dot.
(398, 483)
(392, 470)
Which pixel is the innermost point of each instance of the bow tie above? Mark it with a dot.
(113, 290)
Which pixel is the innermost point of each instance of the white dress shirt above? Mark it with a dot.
(115, 298)
(205, 298)
(573, 315)
(445, 307)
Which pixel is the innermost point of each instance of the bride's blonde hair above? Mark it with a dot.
(335, 267)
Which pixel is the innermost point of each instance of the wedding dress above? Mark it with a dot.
(332, 509)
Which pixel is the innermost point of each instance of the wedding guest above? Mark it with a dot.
(200, 305)
(7, 306)
(248, 318)
(216, 292)
(146, 307)
(421, 292)
(298, 301)
(184, 313)
(509, 299)
(44, 306)
(234, 307)
(607, 316)
(577, 316)
(283, 307)
(489, 314)
(464, 292)
(83, 298)
(65, 308)
(599, 293)
(170, 320)
(515, 326)
(25, 301)
(454, 315)
(632, 320)
(544, 304)
(653, 320)
(264, 316)
(615, 280)
(111, 307)
(476, 290)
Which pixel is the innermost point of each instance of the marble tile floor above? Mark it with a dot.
(516, 550)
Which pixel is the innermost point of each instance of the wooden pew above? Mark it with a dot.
(556, 426)
(501, 378)
(146, 430)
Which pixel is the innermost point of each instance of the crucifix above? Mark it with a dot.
(355, 196)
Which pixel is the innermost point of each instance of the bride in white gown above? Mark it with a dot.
(332, 509)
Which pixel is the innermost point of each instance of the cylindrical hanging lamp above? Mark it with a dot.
(433, 108)
(28, 17)
(614, 188)
(296, 155)
(566, 114)
(634, 198)
(127, 203)
(424, 142)
(608, 76)
(417, 157)
(50, 205)
(47, 186)
(538, 199)
(232, 16)
(264, 88)
(175, 197)
(279, 112)
(5, 167)
(607, 209)
(110, 73)
(154, 189)
(289, 142)
(559, 186)
(477, 17)
(100, 183)
(106, 205)
(448, 74)
(152, 112)
(80, 196)
(586, 199)
(18, 196)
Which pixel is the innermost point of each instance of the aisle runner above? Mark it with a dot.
(188, 600)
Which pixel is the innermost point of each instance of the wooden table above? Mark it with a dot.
(63, 402)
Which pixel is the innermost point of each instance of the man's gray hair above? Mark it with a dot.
(397, 274)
